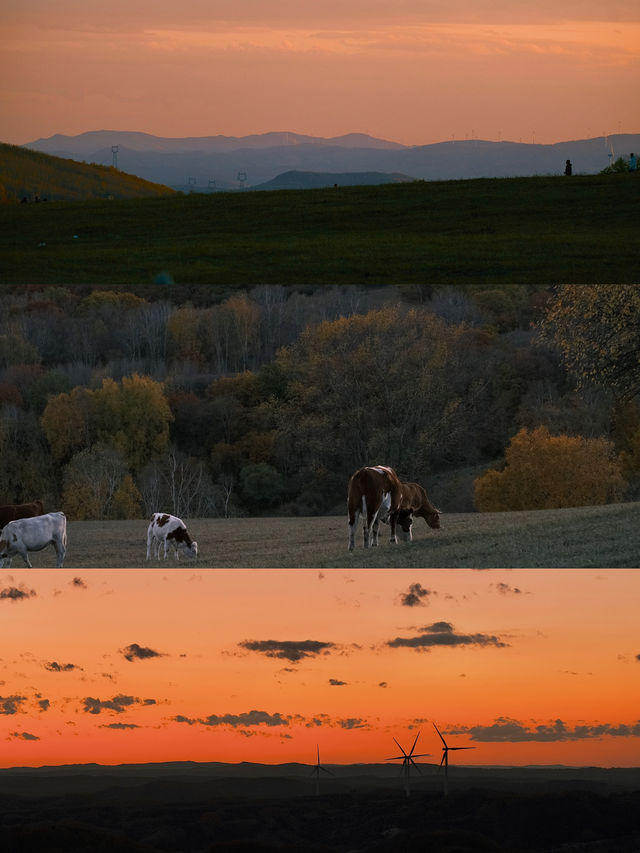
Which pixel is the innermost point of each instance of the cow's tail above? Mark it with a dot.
(364, 506)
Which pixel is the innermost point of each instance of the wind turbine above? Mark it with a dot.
(407, 761)
(316, 771)
(445, 758)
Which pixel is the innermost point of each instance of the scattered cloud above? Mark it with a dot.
(11, 704)
(54, 666)
(23, 736)
(334, 682)
(291, 650)
(416, 596)
(120, 726)
(383, 684)
(44, 704)
(506, 730)
(136, 652)
(78, 583)
(505, 589)
(443, 634)
(16, 593)
(249, 718)
(118, 704)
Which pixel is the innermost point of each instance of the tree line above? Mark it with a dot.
(117, 403)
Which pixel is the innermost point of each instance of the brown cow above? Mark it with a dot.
(375, 493)
(11, 512)
(416, 503)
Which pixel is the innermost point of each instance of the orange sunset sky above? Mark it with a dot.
(116, 666)
(412, 71)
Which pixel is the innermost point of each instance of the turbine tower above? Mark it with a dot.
(407, 761)
(316, 771)
(445, 758)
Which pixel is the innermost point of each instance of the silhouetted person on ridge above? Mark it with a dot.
(567, 169)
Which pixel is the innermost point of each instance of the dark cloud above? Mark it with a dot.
(334, 682)
(23, 736)
(353, 723)
(44, 704)
(292, 650)
(249, 718)
(15, 593)
(414, 596)
(78, 583)
(443, 634)
(136, 652)
(637, 657)
(383, 684)
(118, 704)
(54, 666)
(11, 704)
(120, 726)
(506, 730)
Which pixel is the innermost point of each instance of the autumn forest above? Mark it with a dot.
(262, 401)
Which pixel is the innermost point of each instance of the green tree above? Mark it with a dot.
(596, 327)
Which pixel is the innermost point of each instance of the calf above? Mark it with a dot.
(416, 503)
(375, 493)
(11, 512)
(169, 530)
(34, 534)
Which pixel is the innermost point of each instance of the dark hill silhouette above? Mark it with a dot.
(32, 175)
(314, 180)
(198, 161)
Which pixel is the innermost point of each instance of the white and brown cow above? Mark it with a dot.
(34, 534)
(416, 503)
(172, 532)
(375, 493)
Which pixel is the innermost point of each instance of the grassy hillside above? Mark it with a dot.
(526, 230)
(603, 537)
(26, 174)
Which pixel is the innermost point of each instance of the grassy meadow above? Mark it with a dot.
(602, 536)
(526, 230)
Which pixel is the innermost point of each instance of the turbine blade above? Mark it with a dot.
(462, 747)
(414, 744)
(416, 766)
(440, 736)
(400, 748)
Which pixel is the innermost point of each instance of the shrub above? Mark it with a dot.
(546, 472)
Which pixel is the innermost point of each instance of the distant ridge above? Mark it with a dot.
(217, 162)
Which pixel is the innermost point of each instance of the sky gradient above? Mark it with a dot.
(117, 666)
(415, 71)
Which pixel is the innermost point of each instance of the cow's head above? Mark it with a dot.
(191, 550)
(432, 517)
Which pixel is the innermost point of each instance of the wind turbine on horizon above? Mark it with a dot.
(316, 771)
(445, 758)
(407, 761)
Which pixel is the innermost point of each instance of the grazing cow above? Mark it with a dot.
(376, 493)
(34, 534)
(416, 503)
(170, 530)
(11, 512)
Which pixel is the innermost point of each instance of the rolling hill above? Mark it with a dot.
(198, 162)
(35, 176)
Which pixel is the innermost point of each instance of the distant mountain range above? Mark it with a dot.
(249, 162)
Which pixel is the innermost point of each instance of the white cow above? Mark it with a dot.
(170, 530)
(34, 534)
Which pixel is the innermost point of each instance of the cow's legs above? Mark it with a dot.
(393, 518)
(25, 556)
(60, 552)
(353, 523)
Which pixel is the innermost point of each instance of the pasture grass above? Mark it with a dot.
(583, 537)
(502, 230)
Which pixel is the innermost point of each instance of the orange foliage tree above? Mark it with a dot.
(543, 471)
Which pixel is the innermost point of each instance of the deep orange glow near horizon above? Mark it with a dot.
(127, 666)
(418, 72)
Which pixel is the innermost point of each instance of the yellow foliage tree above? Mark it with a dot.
(543, 471)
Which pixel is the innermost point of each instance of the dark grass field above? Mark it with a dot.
(527, 230)
(584, 537)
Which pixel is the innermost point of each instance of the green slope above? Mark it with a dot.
(30, 175)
